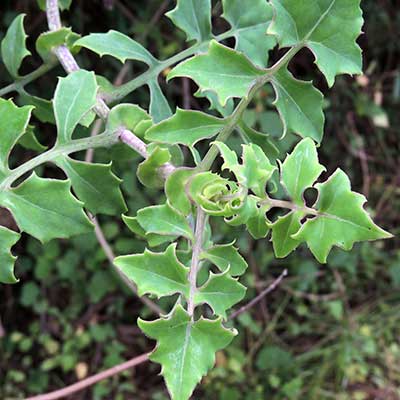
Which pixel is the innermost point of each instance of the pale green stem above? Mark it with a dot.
(24, 80)
(156, 69)
(289, 205)
(195, 264)
(235, 117)
(106, 139)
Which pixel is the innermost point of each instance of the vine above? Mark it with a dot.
(239, 194)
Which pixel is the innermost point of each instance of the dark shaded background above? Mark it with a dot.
(329, 332)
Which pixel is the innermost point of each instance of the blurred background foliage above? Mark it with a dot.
(328, 332)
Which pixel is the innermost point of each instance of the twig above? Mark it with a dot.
(253, 302)
(2, 331)
(76, 387)
(67, 60)
(111, 256)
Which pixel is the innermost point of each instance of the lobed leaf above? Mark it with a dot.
(299, 105)
(222, 70)
(46, 209)
(282, 233)
(13, 47)
(185, 349)
(159, 107)
(13, 124)
(329, 28)
(194, 18)
(74, 97)
(300, 170)
(341, 220)
(153, 239)
(250, 20)
(185, 127)
(159, 274)
(117, 45)
(164, 220)
(7, 239)
(220, 292)
(95, 185)
(226, 257)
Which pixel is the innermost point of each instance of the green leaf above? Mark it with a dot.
(148, 170)
(117, 45)
(194, 18)
(129, 116)
(282, 233)
(74, 97)
(329, 28)
(214, 102)
(299, 105)
(185, 127)
(260, 139)
(13, 123)
(95, 185)
(164, 220)
(225, 257)
(185, 349)
(257, 224)
(159, 107)
(152, 239)
(13, 47)
(29, 140)
(222, 70)
(175, 190)
(43, 109)
(46, 209)
(300, 170)
(342, 220)
(250, 20)
(220, 292)
(7, 239)
(47, 41)
(255, 171)
(159, 274)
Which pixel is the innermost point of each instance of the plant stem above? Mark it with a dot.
(289, 205)
(24, 80)
(70, 65)
(236, 116)
(92, 380)
(195, 264)
(156, 69)
(106, 139)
